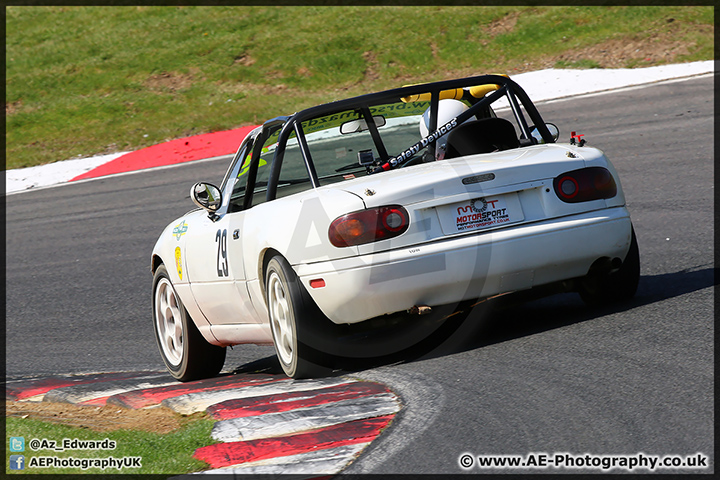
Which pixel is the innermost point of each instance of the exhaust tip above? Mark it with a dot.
(419, 310)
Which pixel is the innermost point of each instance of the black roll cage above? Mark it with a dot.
(293, 123)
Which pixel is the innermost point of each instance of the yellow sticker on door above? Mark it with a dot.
(178, 262)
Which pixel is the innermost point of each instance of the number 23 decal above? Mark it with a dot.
(222, 261)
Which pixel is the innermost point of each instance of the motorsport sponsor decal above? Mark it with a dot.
(480, 213)
(180, 229)
(390, 110)
(178, 261)
(424, 142)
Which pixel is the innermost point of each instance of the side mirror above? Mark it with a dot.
(360, 125)
(207, 196)
(554, 131)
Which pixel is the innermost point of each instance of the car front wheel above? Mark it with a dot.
(186, 354)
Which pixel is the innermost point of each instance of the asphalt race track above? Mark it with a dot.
(545, 376)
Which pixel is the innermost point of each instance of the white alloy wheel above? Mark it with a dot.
(281, 319)
(168, 322)
(185, 352)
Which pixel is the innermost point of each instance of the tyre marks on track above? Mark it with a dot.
(265, 424)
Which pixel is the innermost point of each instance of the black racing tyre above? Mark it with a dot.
(186, 354)
(616, 286)
(289, 309)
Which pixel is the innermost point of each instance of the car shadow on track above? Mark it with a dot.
(520, 315)
(514, 316)
(268, 365)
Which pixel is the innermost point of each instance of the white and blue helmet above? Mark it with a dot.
(447, 110)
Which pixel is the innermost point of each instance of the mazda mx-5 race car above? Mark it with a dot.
(345, 217)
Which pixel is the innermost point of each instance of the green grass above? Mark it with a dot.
(82, 81)
(169, 453)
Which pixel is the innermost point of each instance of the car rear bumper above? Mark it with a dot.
(464, 267)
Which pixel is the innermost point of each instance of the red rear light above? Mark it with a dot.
(584, 185)
(366, 226)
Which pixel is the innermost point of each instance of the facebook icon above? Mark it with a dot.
(17, 462)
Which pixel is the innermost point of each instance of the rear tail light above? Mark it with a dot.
(593, 183)
(366, 226)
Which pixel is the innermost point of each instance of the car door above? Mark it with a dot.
(215, 269)
(228, 291)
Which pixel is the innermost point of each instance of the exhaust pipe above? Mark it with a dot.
(605, 265)
(419, 310)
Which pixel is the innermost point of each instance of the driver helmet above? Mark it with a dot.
(447, 110)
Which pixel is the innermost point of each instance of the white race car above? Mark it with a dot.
(358, 214)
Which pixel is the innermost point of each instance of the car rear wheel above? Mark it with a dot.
(186, 354)
(616, 286)
(289, 306)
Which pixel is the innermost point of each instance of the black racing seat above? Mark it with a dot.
(481, 136)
